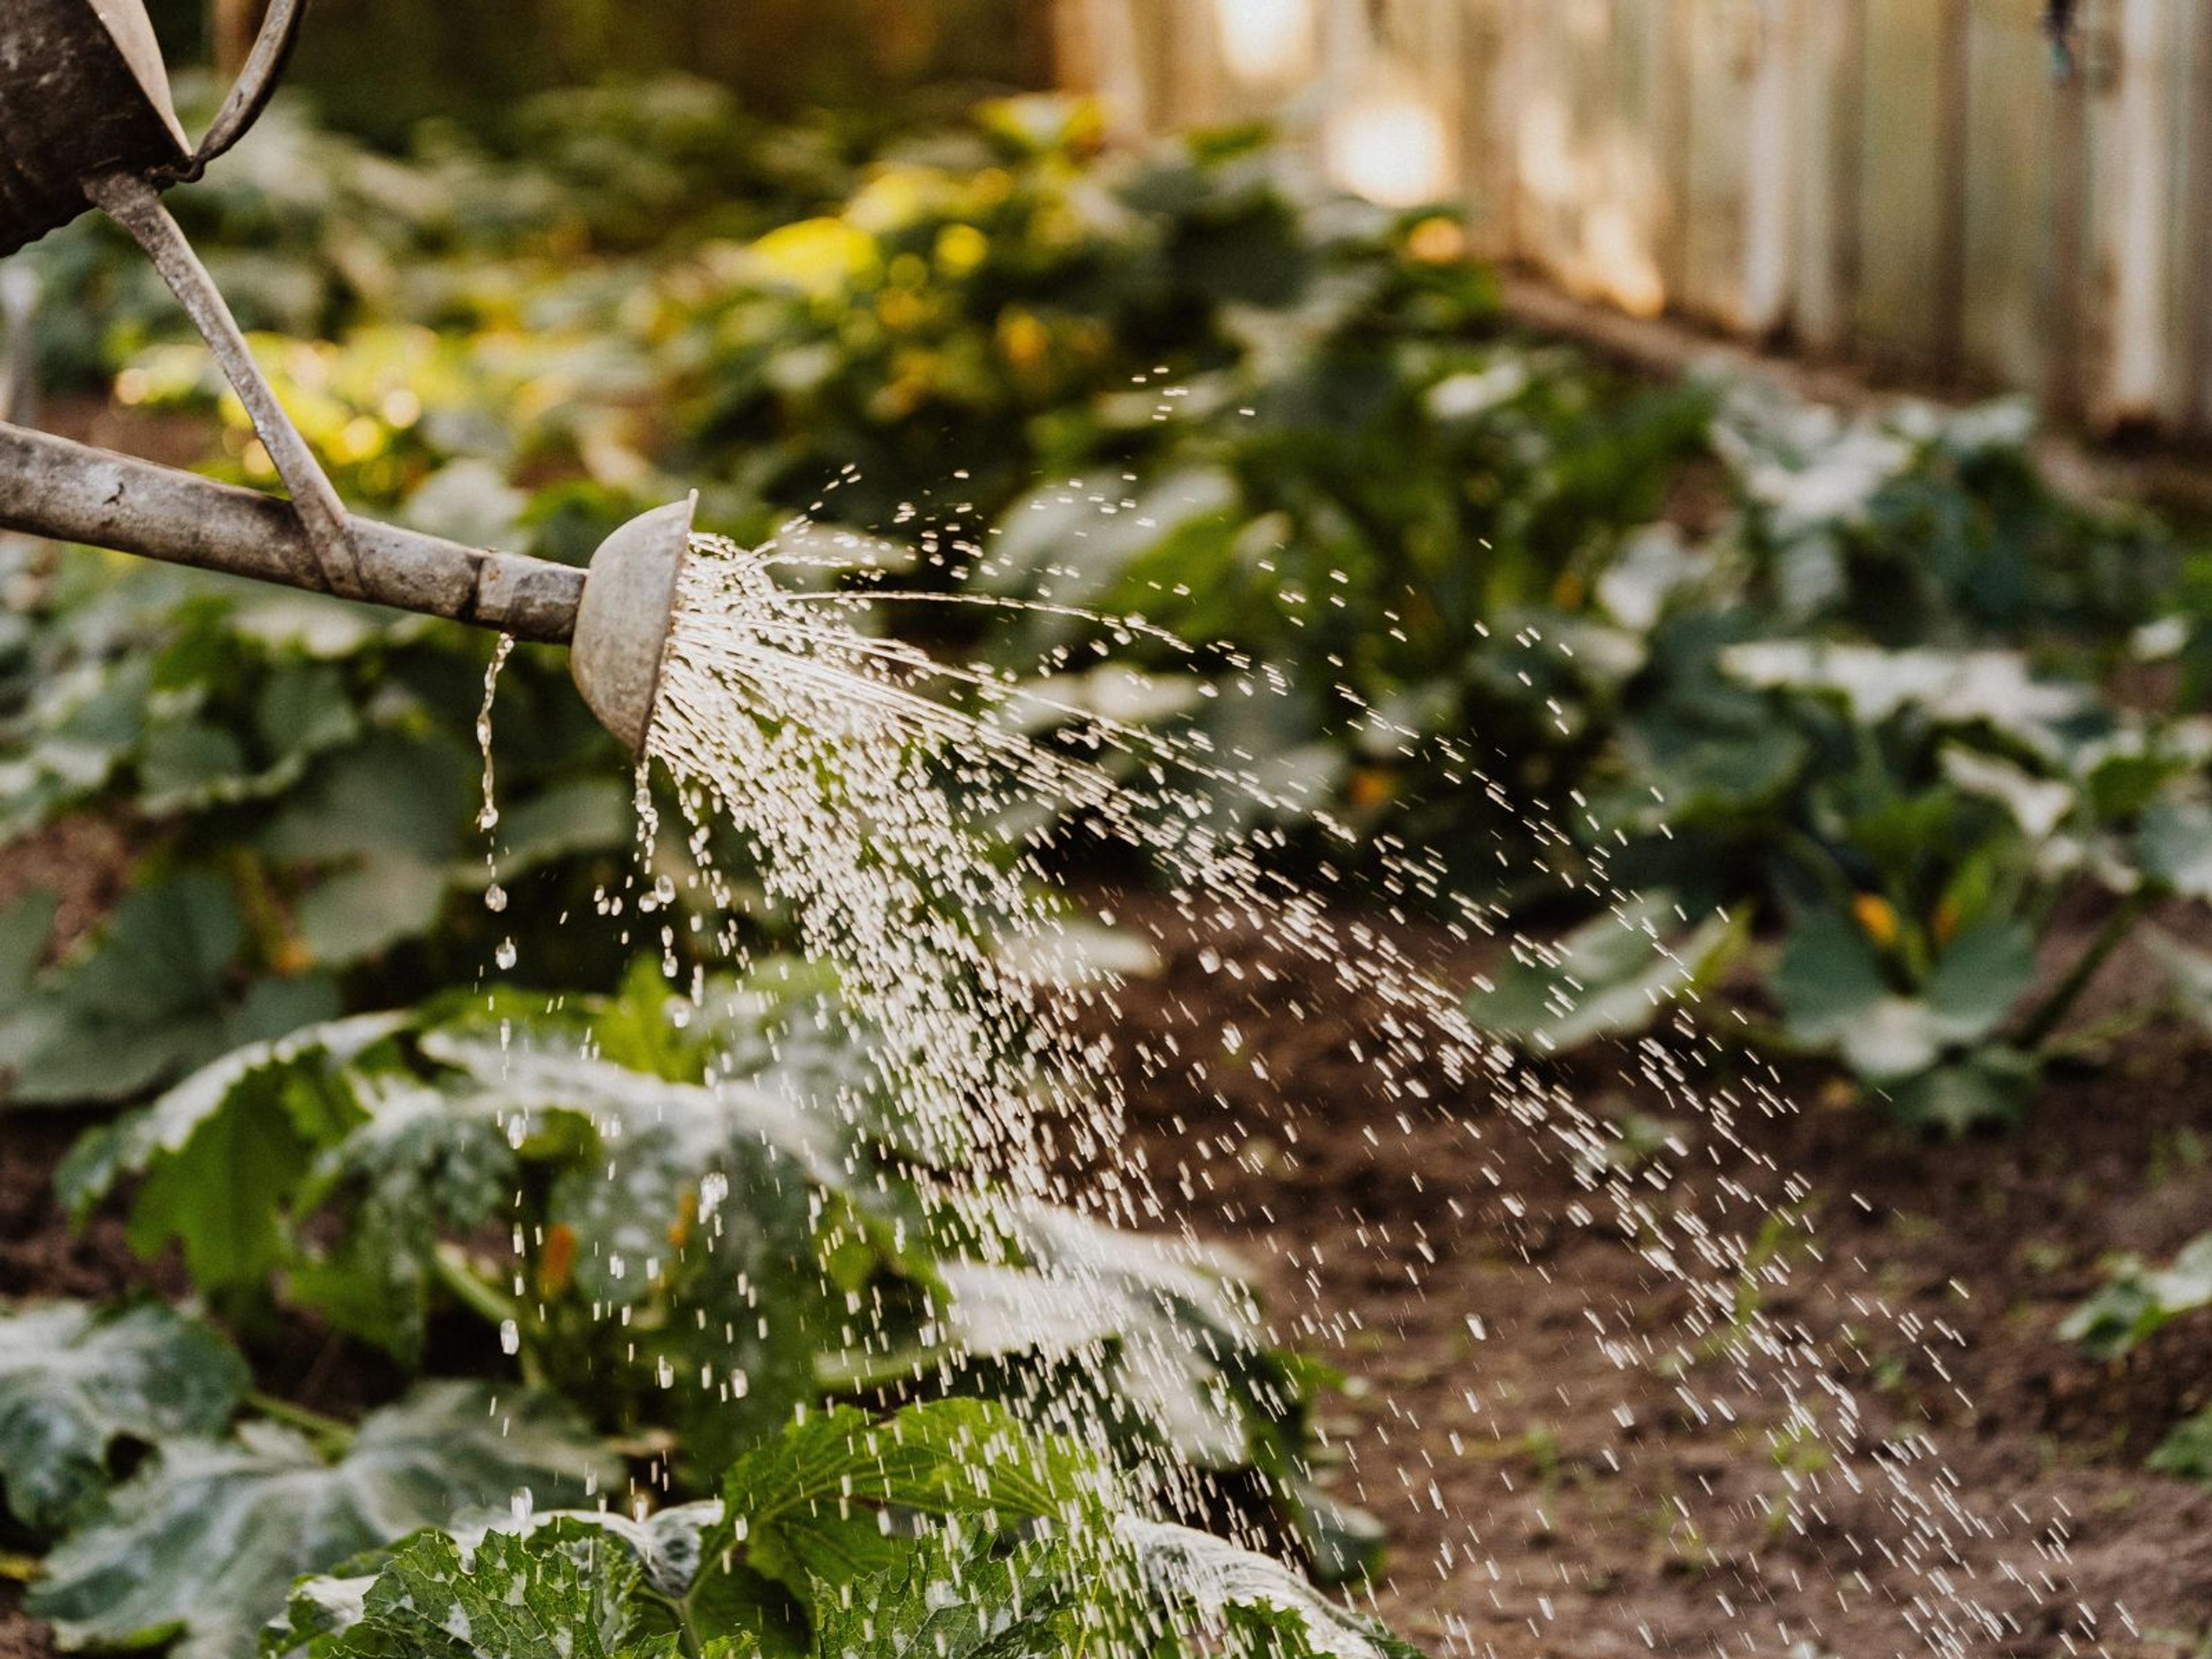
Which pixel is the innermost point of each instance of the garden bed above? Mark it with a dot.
(1376, 1243)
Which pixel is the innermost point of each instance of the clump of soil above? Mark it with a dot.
(84, 862)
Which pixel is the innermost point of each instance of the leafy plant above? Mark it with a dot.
(2137, 1301)
(77, 1385)
(298, 772)
(2134, 1303)
(945, 1529)
(695, 1256)
(1610, 977)
(204, 1542)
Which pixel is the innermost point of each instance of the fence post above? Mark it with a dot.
(1831, 70)
(2196, 283)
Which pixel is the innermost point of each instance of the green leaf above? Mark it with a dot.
(304, 708)
(165, 951)
(223, 1151)
(506, 1597)
(426, 1164)
(26, 926)
(1979, 977)
(1057, 545)
(591, 815)
(391, 797)
(1994, 688)
(205, 1541)
(2138, 1301)
(187, 765)
(1833, 997)
(320, 1608)
(1213, 1581)
(218, 1196)
(2189, 975)
(74, 1381)
(1611, 977)
(360, 913)
(2175, 845)
(147, 1001)
(953, 1597)
(2037, 805)
(2187, 1451)
(805, 1505)
(1994, 1087)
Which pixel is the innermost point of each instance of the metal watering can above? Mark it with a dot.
(86, 120)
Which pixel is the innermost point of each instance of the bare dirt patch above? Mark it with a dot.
(1544, 1500)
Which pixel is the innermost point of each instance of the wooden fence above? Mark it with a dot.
(1908, 183)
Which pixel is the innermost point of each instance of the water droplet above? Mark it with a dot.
(495, 898)
(510, 1337)
(505, 955)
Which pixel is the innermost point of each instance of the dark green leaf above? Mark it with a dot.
(74, 1382)
(206, 1540)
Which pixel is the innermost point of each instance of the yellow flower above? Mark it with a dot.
(900, 308)
(687, 1212)
(1372, 787)
(817, 257)
(1023, 337)
(1436, 241)
(1877, 917)
(960, 249)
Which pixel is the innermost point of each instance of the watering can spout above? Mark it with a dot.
(624, 618)
(615, 616)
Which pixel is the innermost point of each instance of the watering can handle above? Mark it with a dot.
(256, 83)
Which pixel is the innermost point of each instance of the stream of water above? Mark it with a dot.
(906, 819)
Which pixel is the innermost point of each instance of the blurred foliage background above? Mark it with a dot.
(376, 67)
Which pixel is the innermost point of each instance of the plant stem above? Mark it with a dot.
(1821, 865)
(331, 1433)
(2056, 1007)
(2089, 1043)
(488, 1301)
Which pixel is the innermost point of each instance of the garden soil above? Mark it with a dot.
(1529, 1486)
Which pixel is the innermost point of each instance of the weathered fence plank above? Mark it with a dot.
(1903, 181)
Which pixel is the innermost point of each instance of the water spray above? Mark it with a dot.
(86, 121)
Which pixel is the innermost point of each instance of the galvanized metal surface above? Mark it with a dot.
(69, 491)
(81, 91)
(624, 621)
(257, 82)
(134, 204)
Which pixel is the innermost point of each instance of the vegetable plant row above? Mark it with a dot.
(614, 1284)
